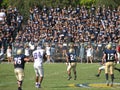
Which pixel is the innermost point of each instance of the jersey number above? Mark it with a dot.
(36, 55)
(18, 60)
(110, 57)
(72, 57)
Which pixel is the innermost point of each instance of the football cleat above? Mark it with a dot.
(97, 75)
(69, 77)
(107, 83)
(19, 88)
(37, 85)
(111, 84)
(75, 77)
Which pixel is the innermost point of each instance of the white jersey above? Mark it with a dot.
(9, 53)
(48, 50)
(27, 51)
(89, 52)
(2, 16)
(38, 57)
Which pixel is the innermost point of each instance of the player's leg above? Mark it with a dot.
(117, 69)
(36, 77)
(20, 78)
(99, 70)
(17, 77)
(41, 73)
(106, 73)
(74, 70)
(69, 71)
(112, 73)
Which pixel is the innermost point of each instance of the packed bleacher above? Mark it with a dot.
(57, 26)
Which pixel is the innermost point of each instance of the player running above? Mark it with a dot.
(19, 64)
(38, 55)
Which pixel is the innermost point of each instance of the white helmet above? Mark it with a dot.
(19, 51)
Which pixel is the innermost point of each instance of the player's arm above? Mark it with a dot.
(103, 58)
(67, 58)
(44, 56)
(116, 58)
(26, 59)
(32, 58)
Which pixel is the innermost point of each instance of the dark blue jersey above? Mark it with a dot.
(110, 55)
(72, 57)
(19, 61)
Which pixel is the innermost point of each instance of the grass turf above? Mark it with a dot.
(55, 77)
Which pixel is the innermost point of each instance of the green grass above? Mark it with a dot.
(55, 77)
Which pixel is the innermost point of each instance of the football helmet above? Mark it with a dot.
(71, 50)
(19, 51)
(109, 46)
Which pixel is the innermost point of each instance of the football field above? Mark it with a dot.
(55, 78)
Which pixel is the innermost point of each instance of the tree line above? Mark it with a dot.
(24, 5)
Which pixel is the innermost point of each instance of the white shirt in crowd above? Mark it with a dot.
(27, 51)
(89, 52)
(48, 50)
(9, 52)
(2, 16)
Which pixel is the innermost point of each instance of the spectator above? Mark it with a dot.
(82, 52)
(2, 16)
(58, 24)
(9, 54)
(2, 56)
(89, 54)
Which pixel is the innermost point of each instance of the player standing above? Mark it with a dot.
(19, 64)
(71, 62)
(110, 56)
(38, 55)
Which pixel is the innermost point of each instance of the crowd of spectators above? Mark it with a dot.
(10, 24)
(57, 26)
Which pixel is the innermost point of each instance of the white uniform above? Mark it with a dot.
(27, 51)
(2, 16)
(38, 62)
(9, 53)
(89, 52)
(48, 50)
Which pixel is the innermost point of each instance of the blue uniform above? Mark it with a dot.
(19, 61)
(72, 57)
(110, 55)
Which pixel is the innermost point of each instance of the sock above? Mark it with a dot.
(112, 77)
(106, 75)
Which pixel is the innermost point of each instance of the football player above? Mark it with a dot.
(110, 56)
(71, 62)
(19, 64)
(38, 56)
